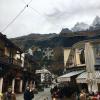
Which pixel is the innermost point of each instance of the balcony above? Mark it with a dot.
(73, 67)
(17, 62)
(8, 60)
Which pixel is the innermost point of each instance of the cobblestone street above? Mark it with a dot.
(40, 96)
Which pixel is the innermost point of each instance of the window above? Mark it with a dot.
(82, 57)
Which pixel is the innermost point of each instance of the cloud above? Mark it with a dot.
(74, 7)
(71, 11)
(46, 16)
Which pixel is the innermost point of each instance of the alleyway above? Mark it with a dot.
(40, 96)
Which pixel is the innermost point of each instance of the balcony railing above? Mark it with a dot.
(76, 68)
(8, 60)
(73, 67)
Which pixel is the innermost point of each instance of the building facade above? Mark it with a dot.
(45, 76)
(14, 66)
(82, 63)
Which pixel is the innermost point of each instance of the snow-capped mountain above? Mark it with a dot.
(65, 30)
(96, 21)
(80, 27)
(83, 26)
(96, 24)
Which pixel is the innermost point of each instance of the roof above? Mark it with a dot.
(9, 42)
(66, 77)
(77, 40)
(70, 41)
(42, 71)
(82, 78)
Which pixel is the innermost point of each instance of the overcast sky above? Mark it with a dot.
(45, 16)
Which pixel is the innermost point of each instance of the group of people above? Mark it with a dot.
(10, 95)
(66, 92)
(72, 92)
(89, 95)
(93, 96)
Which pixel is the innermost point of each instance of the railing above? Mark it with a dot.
(70, 64)
(81, 65)
(75, 67)
(8, 60)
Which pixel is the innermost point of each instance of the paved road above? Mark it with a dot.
(45, 95)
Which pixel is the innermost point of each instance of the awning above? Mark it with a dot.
(82, 78)
(67, 76)
(42, 71)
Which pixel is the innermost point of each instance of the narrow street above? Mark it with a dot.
(40, 96)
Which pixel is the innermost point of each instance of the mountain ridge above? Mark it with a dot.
(57, 42)
(81, 26)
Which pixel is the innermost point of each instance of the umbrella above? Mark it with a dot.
(90, 62)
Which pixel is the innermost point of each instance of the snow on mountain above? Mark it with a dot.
(96, 21)
(96, 24)
(80, 27)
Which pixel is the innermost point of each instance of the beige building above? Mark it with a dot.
(82, 64)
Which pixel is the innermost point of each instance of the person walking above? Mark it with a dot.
(9, 95)
(1, 96)
(82, 95)
(28, 94)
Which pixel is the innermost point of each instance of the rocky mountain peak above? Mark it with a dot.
(80, 27)
(96, 21)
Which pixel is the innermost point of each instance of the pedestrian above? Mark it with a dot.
(98, 96)
(32, 89)
(82, 95)
(1, 96)
(32, 93)
(9, 95)
(51, 90)
(28, 94)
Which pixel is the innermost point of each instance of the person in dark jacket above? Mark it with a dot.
(28, 95)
